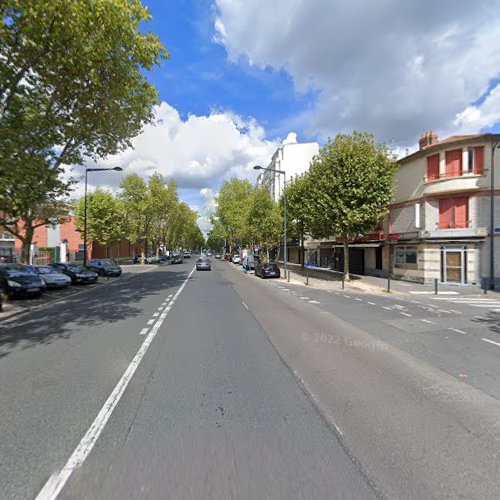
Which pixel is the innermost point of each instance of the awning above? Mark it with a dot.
(361, 245)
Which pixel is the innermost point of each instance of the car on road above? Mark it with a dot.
(248, 262)
(209, 254)
(51, 276)
(104, 267)
(187, 255)
(176, 259)
(17, 280)
(236, 259)
(77, 273)
(267, 270)
(203, 265)
(218, 256)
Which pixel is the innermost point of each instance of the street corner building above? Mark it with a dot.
(444, 222)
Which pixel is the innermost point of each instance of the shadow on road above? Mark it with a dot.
(102, 305)
(491, 320)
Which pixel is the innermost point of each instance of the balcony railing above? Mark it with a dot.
(449, 175)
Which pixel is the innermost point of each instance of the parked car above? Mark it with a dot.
(248, 262)
(267, 270)
(18, 281)
(218, 256)
(203, 265)
(187, 255)
(77, 273)
(236, 259)
(51, 276)
(176, 259)
(104, 267)
(209, 254)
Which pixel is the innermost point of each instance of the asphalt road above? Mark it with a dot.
(221, 385)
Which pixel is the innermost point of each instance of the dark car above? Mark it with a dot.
(176, 259)
(18, 280)
(203, 265)
(267, 270)
(77, 273)
(104, 267)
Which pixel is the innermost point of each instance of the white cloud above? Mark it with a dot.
(198, 152)
(478, 117)
(391, 67)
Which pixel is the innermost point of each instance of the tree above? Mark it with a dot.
(218, 235)
(350, 186)
(71, 88)
(298, 217)
(233, 205)
(265, 222)
(106, 221)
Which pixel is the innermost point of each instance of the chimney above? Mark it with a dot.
(428, 139)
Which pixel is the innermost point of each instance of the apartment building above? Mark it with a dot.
(291, 157)
(441, 215)
(439, 223)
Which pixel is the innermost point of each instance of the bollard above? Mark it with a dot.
(435, 286)
(343, 282)
(307, 278)
(485, 291)
(288, 276)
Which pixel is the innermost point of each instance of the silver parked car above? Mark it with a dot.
(52, 277)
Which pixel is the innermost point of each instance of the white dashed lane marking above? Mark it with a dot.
(151, 321)
(457, 330)
(372, 303)
(144, 331)
(313, 302)
(491, 342)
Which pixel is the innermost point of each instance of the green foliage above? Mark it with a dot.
(106, 221)
(71, 87)
(350, 185)
(265, 220)
(218, 235)
(233, 205)
(298, 217)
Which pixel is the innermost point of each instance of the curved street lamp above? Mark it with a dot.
(258, 167)
(87, 170)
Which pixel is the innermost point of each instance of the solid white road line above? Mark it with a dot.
(491, 342)
(56, 482)
(144, 331)
(246, 307)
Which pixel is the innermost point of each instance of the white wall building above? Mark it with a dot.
(292, 157)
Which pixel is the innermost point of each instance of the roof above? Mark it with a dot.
(453, 139)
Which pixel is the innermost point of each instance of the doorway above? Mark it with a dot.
(454, 265)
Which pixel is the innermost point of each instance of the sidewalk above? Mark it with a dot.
(327, 279)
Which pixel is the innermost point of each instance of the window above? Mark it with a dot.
(418, 215)
(476, 160)
(406, 257)
(453, 163)
(453, 213)
(433, 167)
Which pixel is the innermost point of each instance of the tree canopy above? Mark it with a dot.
(72, 87)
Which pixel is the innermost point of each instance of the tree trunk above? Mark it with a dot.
(26, 241)
(346, 260)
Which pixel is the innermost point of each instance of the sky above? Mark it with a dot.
(243, 74)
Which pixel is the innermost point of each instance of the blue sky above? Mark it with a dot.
(243, 74)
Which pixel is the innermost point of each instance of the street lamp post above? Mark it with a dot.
(87, 170)
(258, 167)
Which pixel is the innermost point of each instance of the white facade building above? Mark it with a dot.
(293, 158)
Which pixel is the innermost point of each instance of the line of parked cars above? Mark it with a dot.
(18, 280)
(262, 269)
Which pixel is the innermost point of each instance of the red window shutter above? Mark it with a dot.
(479, 160)
(461, 215)
(454, 163)
(445, 213)
(433, 167)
